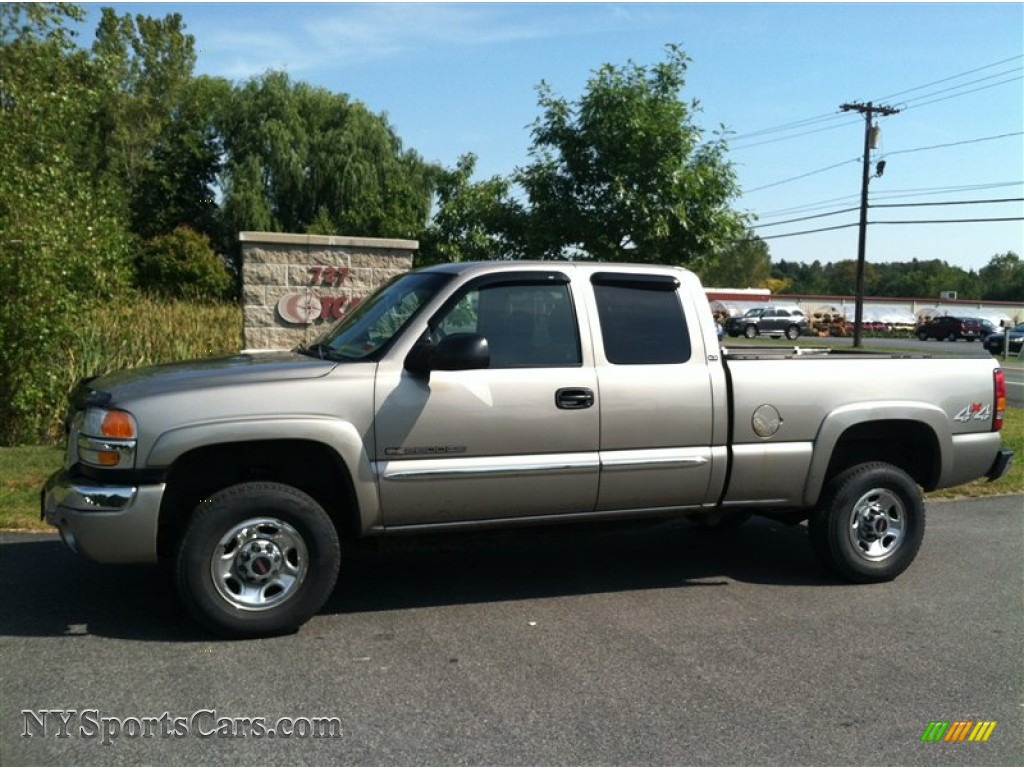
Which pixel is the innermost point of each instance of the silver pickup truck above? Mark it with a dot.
(475, 395)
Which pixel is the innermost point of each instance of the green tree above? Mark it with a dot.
(623, 173)
(181, 264)
(474, 221)
(63, 243)
(841, 278)
(928, 278)
(743, 264)
(808, 279)
(303, 159)
(154, 132)
(1002, 279)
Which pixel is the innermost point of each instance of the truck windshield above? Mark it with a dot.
(369, 329)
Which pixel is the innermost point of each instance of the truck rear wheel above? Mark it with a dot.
(792, 333)
(257, 559)
(869, 524)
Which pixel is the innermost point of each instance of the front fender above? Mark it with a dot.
(340, 436)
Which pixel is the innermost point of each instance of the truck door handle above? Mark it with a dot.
(574, 398)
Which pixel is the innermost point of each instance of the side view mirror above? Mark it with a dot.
(458, 352)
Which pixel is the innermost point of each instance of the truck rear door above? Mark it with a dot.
(658, 413)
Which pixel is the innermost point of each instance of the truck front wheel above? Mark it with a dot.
(257, 559)
(750, 331)
(869, 524)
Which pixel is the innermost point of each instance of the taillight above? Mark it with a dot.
(999, 380)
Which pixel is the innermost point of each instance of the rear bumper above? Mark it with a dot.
(112, 523)
(1001, 464)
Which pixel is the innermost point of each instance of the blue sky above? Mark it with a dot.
(461, 77)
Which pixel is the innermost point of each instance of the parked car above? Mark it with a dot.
(951, 328)
(771, 320)
(987, 327)
(994, 342)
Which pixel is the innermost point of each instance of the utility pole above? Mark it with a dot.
(869, 110)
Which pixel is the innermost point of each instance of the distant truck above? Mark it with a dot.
(470, 396)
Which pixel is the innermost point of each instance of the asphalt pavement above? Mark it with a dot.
(656, 645)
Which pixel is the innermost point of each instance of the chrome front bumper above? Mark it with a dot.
(106, 523)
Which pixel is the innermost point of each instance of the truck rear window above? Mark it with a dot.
(641, 323)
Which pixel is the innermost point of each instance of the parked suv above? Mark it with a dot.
(772, 320)
(951, 329)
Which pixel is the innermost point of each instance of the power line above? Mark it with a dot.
(834, 116)
(804, 218)
(947, 79)
(950, 202)
(965, 93)
(917, 221)
(802, 176)
(953, 221)
(894, 194)
(890, 205)
(960, 86)
(793, 136)
(809, 231)
(788, 126)
(887, 154)
(954, 144)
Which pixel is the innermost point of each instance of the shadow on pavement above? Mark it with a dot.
(51, 592)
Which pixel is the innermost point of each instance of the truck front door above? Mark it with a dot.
(516, 439)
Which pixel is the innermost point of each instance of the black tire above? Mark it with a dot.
(793, 333)
(922, 336)
(869, 524)
(951, 337)
(257, 559)
(750, 331)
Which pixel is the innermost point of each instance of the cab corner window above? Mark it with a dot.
(641, 324)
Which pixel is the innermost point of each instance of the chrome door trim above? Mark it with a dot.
(487, 467)
(654, 458)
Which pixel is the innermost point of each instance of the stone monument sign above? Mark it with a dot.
(293, 286)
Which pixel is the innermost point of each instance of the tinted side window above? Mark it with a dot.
(641, 325)
(525, 325)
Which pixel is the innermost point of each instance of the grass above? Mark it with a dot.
(24, 469)
(22, 473)
(127, 333)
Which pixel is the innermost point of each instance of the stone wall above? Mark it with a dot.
(293, 286)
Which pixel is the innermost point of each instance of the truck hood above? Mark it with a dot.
(213, 372)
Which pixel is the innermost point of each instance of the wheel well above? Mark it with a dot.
(910, 445)
(309, 466)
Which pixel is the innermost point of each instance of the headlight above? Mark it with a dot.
(107, 438)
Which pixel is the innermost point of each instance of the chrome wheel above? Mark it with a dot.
(259, 563)
(870, 522)
(876, 524)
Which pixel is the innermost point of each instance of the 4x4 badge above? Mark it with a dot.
(976, 411)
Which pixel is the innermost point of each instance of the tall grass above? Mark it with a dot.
(141, 331)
